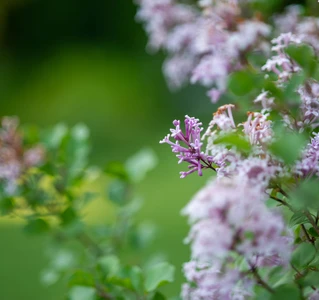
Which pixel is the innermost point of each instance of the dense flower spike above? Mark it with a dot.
(190, 150)
(229, 217)
(205, 44)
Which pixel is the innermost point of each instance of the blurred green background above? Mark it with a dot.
(85, 61)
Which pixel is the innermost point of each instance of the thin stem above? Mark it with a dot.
(102, 293)
(301, 275)
(312, 221)
(306, 234)
(283, 202)
(87, 241)
(282, 192)
(208, 165)
(259, 279)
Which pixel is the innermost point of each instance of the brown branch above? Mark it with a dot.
(102, 293)
(312, 221)
(88, 242)
(259, 279)
(306, 234)
(283, 202)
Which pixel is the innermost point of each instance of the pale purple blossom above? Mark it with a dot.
(308, 165)
(309, 95)
(205, 44)
(265, 101)
(281, 64)
(230, 216)
(314, 295)
(188, 146)
(258, 128)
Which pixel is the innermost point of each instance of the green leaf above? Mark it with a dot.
(140, 164)
(68, 216)
(37, 226)
(82, 278)
(286, 292)
(274, 91)
(313, 232)
(63, 260)
(241, 83)
(306, 194)
(80, 132)
(291, 89)
(234, 139)
(55, 137)
(311, 279)
(128, 277)
(137, 279)
(6, 205)
(158, 296)
(110, 265)
(303, 255)
(158, 275)
(288, 145)
(117, 192)
(82, 293)
(116, 169)
(304, 55)
(298, 218)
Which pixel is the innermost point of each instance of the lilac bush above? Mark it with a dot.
(255, 225)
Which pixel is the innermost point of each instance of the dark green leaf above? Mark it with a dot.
(241, 83)
(80, 277)
(234, 139)
(311, 279)
(313, 232)
(68, 216)
(291, 89)
(158, 296)
(298, 218)
(116, 169)
(288, 145)
(286, 292)
(304, 56)
(303, 255)
(306, 195)
(37, 226)
(6, 205)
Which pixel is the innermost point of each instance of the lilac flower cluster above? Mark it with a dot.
(190, 150)
(204, 43)
(308, 165)
(305, 28)
(229, 222)
(281, 63)
(309, 108)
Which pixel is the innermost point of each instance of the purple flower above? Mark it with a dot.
(188, 146)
